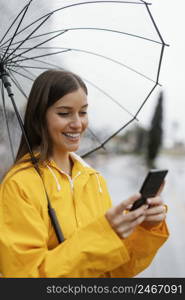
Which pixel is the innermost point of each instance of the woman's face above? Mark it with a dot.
(66, 120)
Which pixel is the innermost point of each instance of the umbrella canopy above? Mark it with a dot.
(115, 46)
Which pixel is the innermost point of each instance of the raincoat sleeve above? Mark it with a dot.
(142, 245)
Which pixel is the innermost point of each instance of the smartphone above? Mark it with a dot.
(150, 186)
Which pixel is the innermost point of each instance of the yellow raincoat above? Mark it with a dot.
(28, 244)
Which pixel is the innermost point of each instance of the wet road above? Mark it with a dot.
(124, 175)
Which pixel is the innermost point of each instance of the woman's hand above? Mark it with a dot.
(124, 221)
(155, 213)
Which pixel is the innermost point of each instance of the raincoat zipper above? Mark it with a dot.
(71, 181)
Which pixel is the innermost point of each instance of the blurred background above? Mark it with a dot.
(156, 140)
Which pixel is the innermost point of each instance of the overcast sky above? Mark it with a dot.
(169, 16)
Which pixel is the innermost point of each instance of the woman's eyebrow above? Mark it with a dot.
(66, 107)
(70, 107)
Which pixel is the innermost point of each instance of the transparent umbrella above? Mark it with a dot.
(115, 46)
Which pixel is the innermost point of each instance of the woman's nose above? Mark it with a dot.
(76, 122)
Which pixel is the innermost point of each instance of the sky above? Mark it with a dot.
(169, 16)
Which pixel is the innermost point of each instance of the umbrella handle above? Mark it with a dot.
(55, 223)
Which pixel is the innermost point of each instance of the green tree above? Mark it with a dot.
(155, 134)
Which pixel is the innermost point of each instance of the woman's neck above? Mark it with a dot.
(63, 161)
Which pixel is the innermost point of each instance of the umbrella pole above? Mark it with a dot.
(51, 211)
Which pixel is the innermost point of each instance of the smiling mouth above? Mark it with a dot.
(72, 136)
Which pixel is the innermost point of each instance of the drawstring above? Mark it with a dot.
(56, 180)
(99, 185)
(76, 175)
(72, 180)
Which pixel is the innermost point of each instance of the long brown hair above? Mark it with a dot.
(48, 88)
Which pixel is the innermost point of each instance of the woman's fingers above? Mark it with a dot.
(155, 210)
(156, 213)
(126, 203)
(117, 210)
(124, 221)
(128, 217)
(126, 229)
(118, 214)
(154, 201)
(133, 215)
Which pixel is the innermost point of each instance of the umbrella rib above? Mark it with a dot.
(146, 99)
(72, 5)
(10, 66)
(10, 61)
(90, 82)
(14, 63)
(156, 28)
(134, 118)
(29, 67)
(94, 135)
(6, 120)
(38, 36)
(95, 54)
(28, 71)
(160, 62)
(31, 49)
(159, 67)
(108, 139)
(14, 21)
(114, 61)
(90, 130)
(90, 28)
(17, 84)
(95, 86)
(23, 75)
(113, 31)
(43, 55)
(11, 40)
(163, 43)
(107, 95)
(27, 38)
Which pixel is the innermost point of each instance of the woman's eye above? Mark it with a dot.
(83, 112)
(63, 114)
(66, 114)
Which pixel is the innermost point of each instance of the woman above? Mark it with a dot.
(100, 240)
